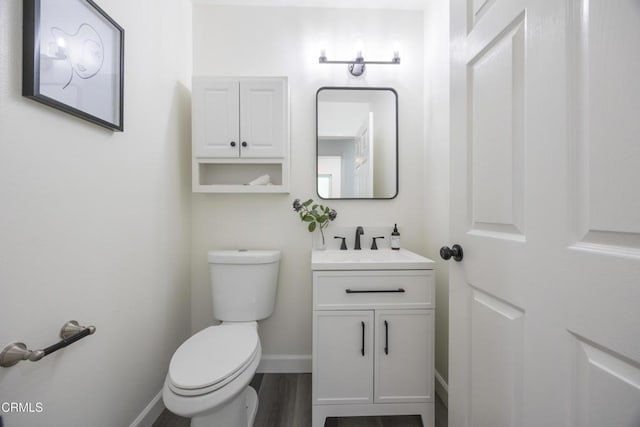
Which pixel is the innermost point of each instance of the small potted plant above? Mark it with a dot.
(317, 216)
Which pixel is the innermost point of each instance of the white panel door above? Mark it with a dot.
(216, 116)
(343, 357)
(263, 118)
(545, 202)
(404, 356)
(364, 161)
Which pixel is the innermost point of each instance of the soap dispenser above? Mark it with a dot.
(395, 238)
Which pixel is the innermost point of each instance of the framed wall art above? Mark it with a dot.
(73, 59)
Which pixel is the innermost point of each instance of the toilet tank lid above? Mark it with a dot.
(244, 256)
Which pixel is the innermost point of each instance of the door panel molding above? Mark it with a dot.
(477, 9)
(604, 126)
(601, 373)
(495, 99)
(497, 351)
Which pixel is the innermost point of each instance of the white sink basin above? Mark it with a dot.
(382, 259)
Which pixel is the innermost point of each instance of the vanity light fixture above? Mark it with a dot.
(357, 66)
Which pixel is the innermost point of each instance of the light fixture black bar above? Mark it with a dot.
(355, 61)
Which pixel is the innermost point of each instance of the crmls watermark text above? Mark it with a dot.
(21, 407)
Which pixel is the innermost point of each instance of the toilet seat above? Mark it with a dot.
(212, 358)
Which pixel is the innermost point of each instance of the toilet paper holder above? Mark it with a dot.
(17, 351)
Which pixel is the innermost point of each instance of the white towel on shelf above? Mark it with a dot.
(261, 180)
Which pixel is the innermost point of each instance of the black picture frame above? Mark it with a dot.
(73, 60)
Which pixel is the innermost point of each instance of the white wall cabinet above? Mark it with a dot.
(240, 132)
(373, 350)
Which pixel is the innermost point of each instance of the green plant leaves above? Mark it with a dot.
(317, 216)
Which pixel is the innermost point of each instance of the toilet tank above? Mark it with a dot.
(243, 283)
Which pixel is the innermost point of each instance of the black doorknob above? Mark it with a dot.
(455, 251)
(244, 143)
(232, 143)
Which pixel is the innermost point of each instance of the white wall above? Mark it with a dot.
(437, 169)
(287, 41)
(341, 118)
(94, 226)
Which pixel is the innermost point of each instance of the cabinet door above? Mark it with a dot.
(263, 118)
(404, 356)
(216, 115)
(342, 357)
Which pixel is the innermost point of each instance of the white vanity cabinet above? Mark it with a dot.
(404, 354)
(240, 131)
(373, 343)
(343, 357)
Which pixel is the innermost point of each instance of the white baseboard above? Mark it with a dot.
(151, 413)
(442, 388)
(289, 363)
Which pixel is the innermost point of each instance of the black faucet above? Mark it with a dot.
(343, 246)
(374, 245)
(359, 232)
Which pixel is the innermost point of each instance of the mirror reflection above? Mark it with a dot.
(357, 147)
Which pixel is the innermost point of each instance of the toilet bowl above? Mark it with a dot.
(209, 374)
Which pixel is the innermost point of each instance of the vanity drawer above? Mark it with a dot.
(348, 290)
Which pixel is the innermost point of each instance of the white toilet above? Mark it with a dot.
(209, 374)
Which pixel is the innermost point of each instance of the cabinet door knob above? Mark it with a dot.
(244, 143)
(455, 251)
(233, 143)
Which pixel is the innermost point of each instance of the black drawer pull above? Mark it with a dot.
(386, 337)
(375, 291)
(362, 349)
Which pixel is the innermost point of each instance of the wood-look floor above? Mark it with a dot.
(285, 401)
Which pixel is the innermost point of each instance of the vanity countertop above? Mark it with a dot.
(382, 259)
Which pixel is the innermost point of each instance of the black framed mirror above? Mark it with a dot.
(356, 143)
